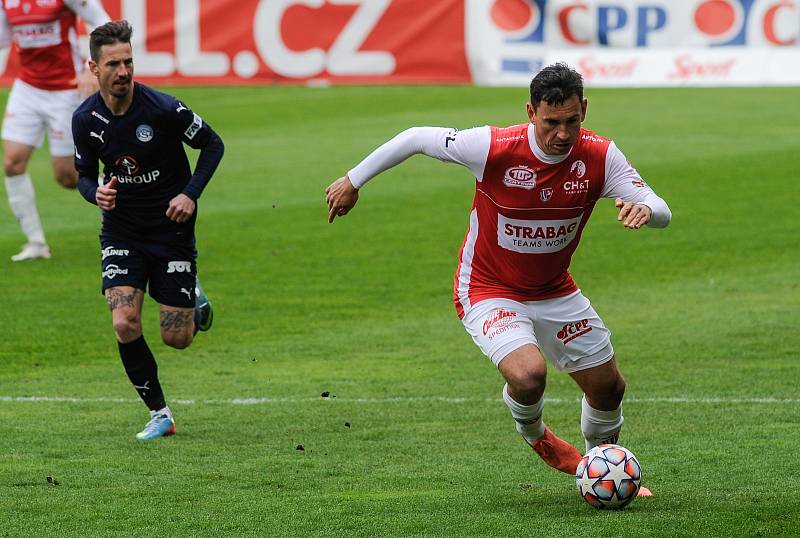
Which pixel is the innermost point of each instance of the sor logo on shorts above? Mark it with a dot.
(571, 331)
(498, 318)
(179, 267)
(520, 176)
(128, 164)
(144, 133)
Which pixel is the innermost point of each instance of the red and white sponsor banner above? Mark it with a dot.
(294, 41)
(637, 42)
(488, 42)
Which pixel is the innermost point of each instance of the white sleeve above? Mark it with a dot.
(623, 181)
(468, 148)
(5, 30)
(91, 11)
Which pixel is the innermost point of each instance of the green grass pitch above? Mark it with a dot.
(414, 439)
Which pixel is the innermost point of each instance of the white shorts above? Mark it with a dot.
(30, 111)
(567, 330)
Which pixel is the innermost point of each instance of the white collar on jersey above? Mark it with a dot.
(541, 155)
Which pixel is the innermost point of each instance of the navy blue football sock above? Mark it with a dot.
(140, 365)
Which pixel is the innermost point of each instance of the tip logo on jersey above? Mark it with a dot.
(545, 194)
(520, 176)
(144, 133)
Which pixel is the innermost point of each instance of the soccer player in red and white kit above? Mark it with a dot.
(43, 97)
(537, 184)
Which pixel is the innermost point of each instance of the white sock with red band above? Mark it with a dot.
(22, 201)
(600, 426)
(528, 417)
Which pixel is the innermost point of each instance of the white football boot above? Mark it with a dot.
(32, 251)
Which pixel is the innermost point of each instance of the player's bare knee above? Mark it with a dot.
(13, 165)
(528, 383)
(177, 340)
(127, 328)
(610, 396)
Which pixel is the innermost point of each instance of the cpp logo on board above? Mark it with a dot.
(640, 24)
(724, 23)
(520, 21)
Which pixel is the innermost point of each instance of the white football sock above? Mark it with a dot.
(528, 417)
(162, 411)
(22, 201)
(600, 426)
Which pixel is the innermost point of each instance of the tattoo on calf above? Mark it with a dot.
(118, 299)
(176, 321)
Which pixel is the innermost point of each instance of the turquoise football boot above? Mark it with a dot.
(159, 426)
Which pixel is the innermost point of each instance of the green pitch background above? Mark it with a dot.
(414, 440)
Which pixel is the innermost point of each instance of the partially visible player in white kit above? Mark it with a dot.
(537, 184)
(44, 96)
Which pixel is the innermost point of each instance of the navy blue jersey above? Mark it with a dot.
(144, 149)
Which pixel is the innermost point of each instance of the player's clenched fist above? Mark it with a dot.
(341, 196)
(106, 195)
(181, 208)
(631, 214)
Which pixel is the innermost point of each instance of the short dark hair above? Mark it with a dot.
(555, 84)
(108, 34)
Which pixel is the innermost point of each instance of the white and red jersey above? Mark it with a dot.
(45, 35)
(529, 209)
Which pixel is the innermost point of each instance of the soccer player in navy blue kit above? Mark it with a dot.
(149, 202)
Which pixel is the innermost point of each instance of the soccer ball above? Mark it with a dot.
(609, 476)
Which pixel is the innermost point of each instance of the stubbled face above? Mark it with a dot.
(114, 69)
(558, 127)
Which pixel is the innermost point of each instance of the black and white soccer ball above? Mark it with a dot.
(609, 477)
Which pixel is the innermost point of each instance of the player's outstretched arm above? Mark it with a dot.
(341, 197)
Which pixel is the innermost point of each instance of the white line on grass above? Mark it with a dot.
(399, 399)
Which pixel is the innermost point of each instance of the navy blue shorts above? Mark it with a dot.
(167, 271)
